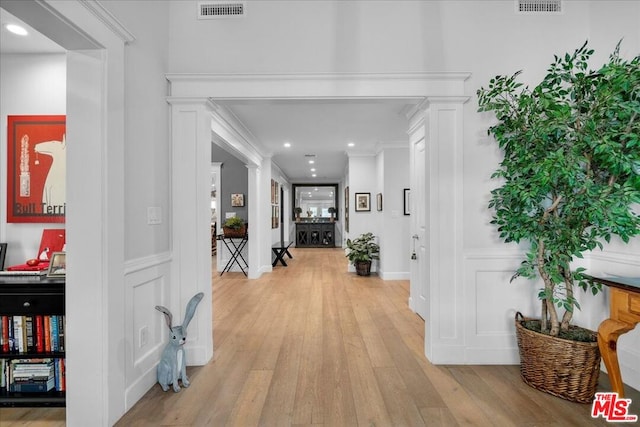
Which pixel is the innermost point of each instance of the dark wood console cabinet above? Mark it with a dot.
(34, 299)
(315, 234)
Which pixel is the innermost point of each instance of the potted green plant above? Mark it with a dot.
(234, 227)
(332, 212)
(298, 211)
(569, 178)
(361, 251)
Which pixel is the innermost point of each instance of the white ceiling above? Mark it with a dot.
(34, 42)
(320, 128)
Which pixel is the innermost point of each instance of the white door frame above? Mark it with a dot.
(419, 265)
(94, 311)
(444, 96)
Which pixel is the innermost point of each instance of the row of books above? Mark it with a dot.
(22, 275)
(32, 333)
(32, 375)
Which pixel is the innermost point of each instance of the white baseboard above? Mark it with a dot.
(395, 275)
(139, 388)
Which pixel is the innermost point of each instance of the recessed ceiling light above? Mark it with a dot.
(313, 175)
(311, 162)
(313, 169)
(287, 144)
(351, 144)
(16, 29)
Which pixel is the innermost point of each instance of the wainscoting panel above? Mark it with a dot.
(491, 302)
(146, 332)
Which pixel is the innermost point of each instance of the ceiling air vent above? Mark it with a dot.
(221, 9)
(539, 6)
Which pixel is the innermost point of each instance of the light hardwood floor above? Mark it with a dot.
(311, 344)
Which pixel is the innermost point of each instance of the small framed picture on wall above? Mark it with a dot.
(363, 202)
(237, 200)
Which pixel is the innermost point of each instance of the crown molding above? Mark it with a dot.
(318, 85)
(108, 19)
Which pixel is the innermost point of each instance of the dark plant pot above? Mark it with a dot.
(363, 268)
(563, 368)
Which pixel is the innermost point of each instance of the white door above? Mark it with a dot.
(419, 238)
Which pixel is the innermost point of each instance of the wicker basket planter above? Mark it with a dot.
(363, 268)
(234, 232)
(563, 368)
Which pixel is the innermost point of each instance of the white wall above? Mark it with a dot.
(394, 225)
(30, 84)
(146, 114)
(147, 248)
(362, 170)
(302, 36)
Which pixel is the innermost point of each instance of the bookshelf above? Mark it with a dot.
(34, 298)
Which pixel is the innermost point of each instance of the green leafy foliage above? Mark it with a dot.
(571, 168)
(235, 223)
(362, 248)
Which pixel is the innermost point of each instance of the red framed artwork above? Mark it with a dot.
(36, 169)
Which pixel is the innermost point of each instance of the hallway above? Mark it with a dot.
(311, 344)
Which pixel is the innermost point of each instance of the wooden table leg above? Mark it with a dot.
(608, 333)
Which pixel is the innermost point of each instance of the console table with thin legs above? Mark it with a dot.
(235, 245)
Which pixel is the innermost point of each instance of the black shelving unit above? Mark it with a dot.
(28, 296)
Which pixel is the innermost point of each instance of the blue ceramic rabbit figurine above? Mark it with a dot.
(172, 364)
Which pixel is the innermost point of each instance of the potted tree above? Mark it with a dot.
(569, 178)
(361, 251)
(234, 227)
(298, 211)
(332, 211)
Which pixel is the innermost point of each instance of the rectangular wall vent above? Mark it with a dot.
(539, 6)
(221, 9)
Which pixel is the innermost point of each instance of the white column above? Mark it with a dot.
(255, 227)
(191, 213)
(444, 333)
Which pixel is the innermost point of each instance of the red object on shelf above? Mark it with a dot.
(52, 240)
(26, 267)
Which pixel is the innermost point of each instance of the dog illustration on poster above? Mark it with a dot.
(53, 194)
(36, 169)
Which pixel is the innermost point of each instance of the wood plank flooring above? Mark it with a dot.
(313, 345)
